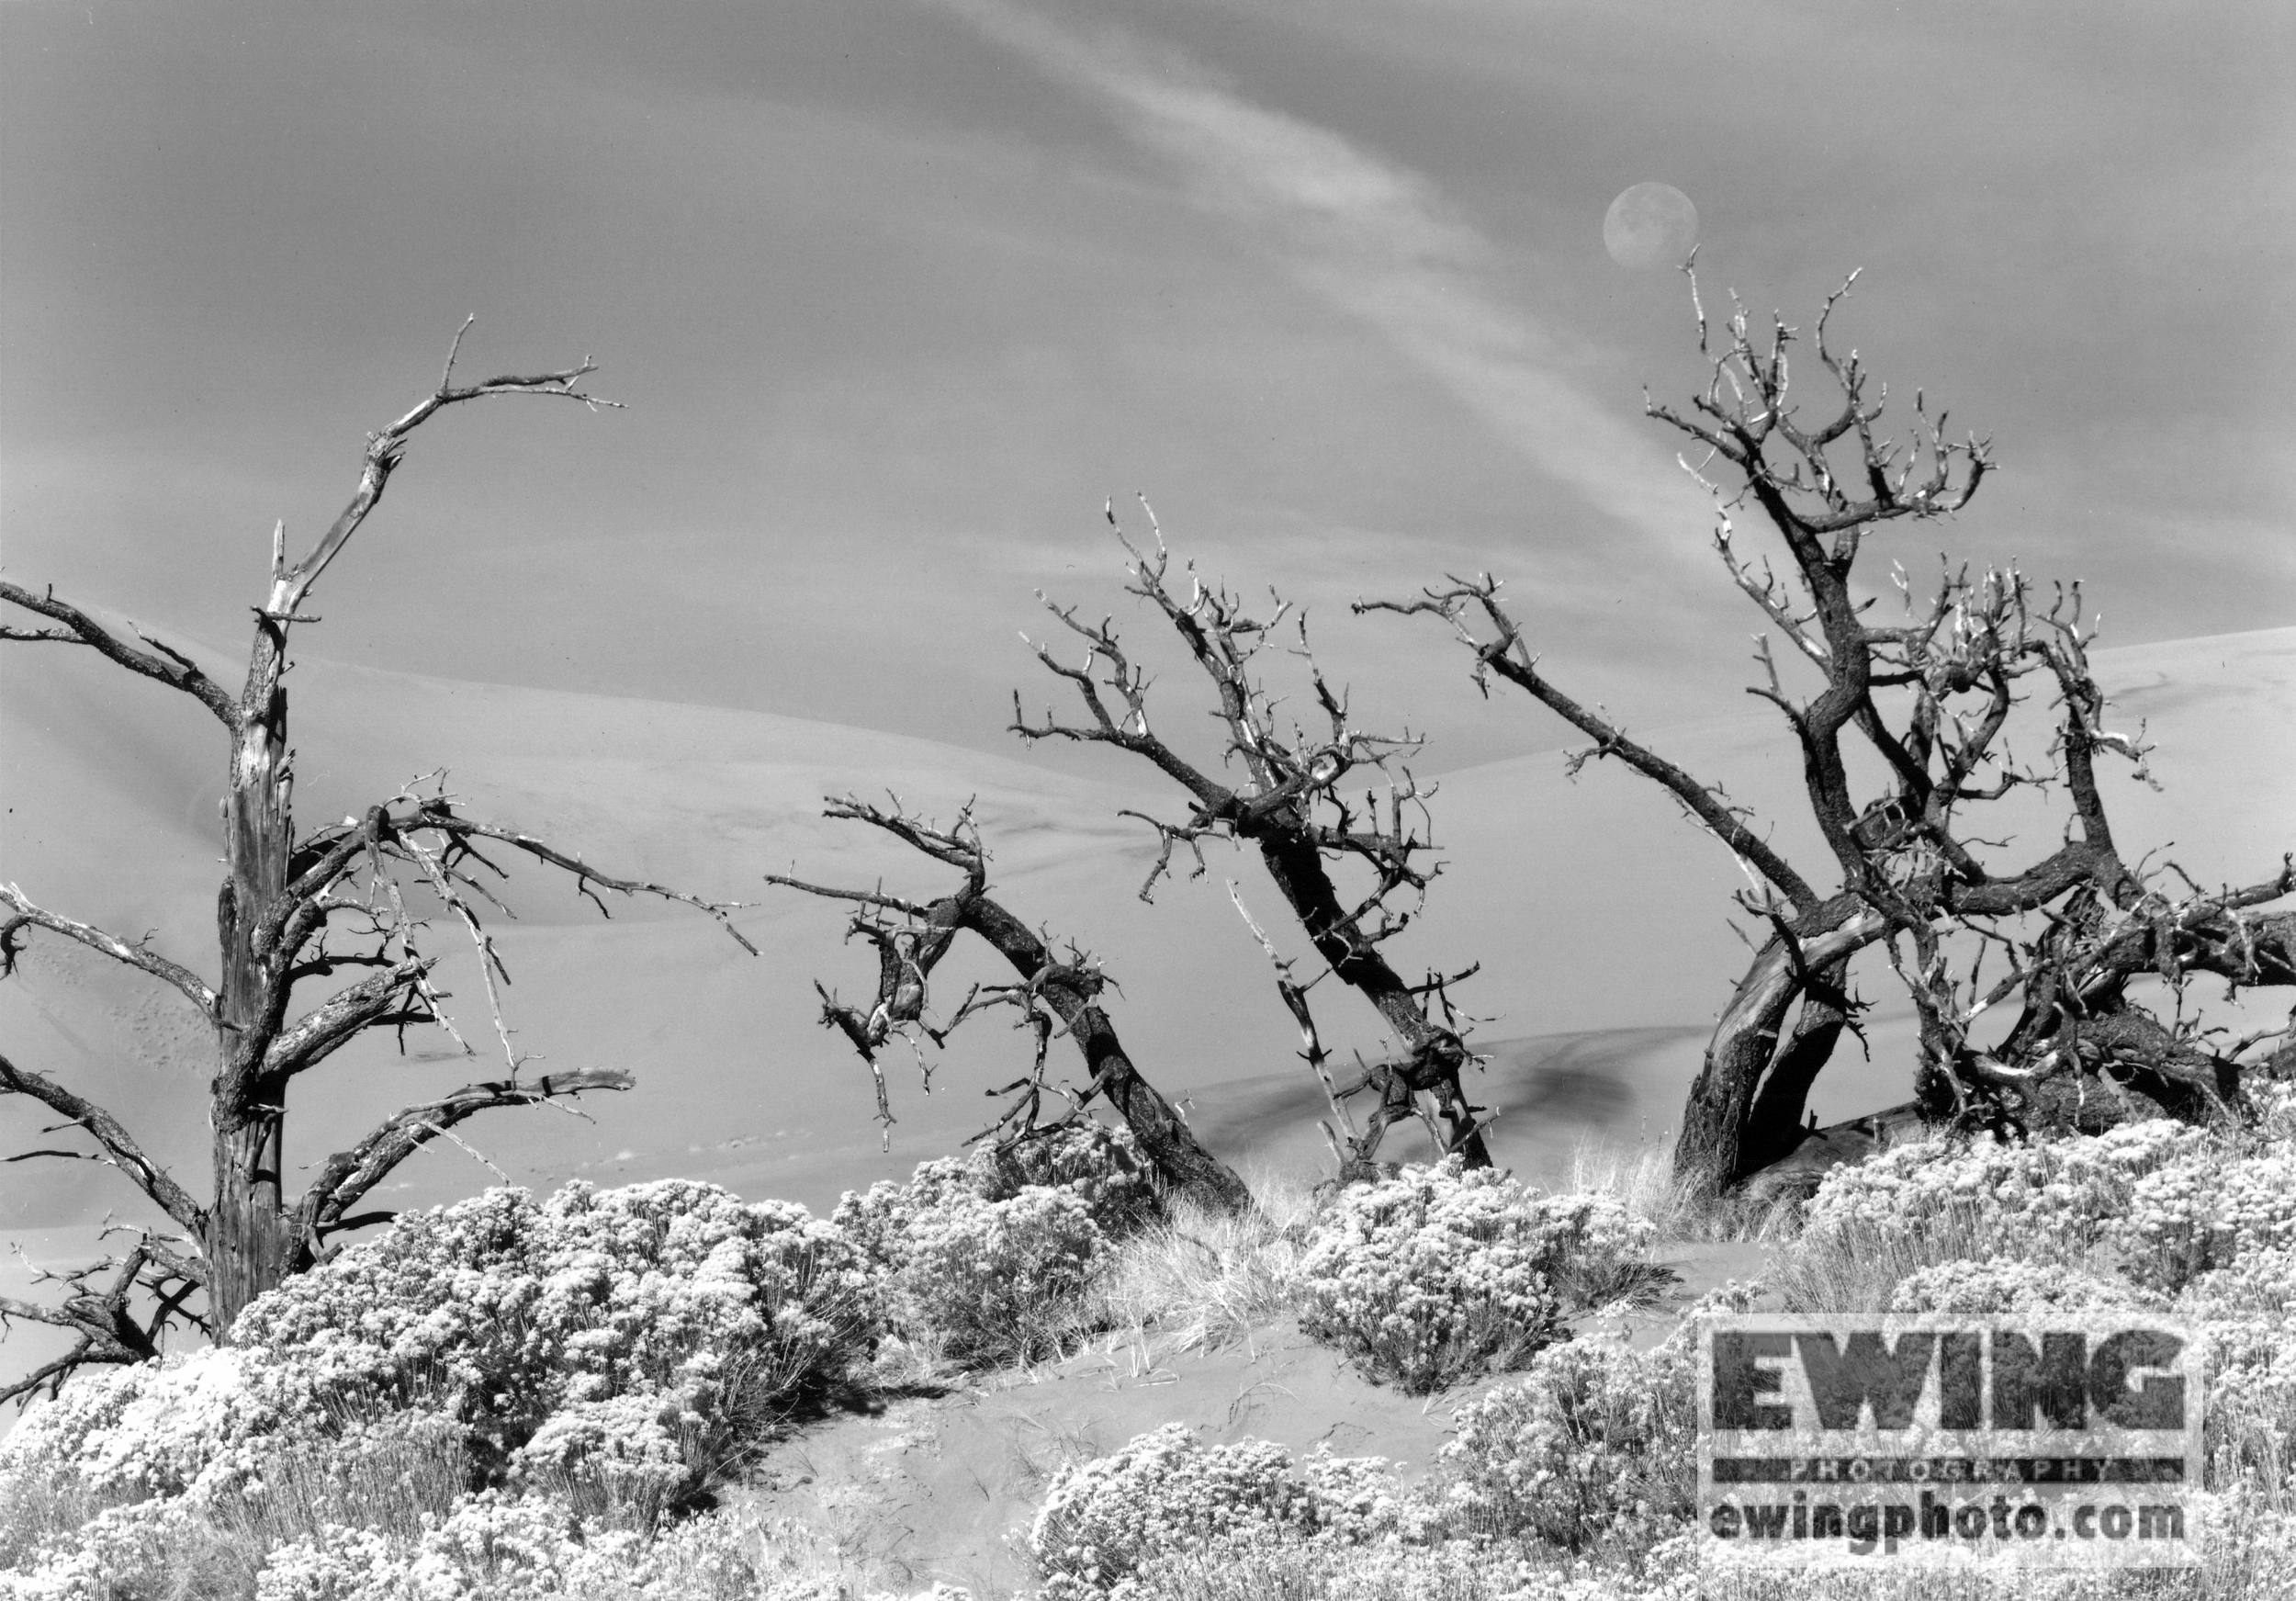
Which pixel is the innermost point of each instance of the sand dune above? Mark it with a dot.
(1594, 907)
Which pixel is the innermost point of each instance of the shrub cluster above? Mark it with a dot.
(2150, 1205)
(607, 1355)
(1575, 1478)
(1970, 1287)
(510, 1396)
(1106, 1522)
(619, 1345)
(1444, 1272)
(2154, 1215)
(1593, 1446)
(987, 1257)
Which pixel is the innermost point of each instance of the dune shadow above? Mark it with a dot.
(1550, 1092)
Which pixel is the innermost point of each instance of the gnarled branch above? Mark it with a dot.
(121, 1149)
(185, 982)
(162, 663)
(440, 816)
(291, 585)
(326, 1207)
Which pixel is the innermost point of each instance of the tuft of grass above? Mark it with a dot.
(1856, 1266)
(35, 1510)
(1199, 1279)
(1641, 1177)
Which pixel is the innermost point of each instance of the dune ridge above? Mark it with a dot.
(1591, 904)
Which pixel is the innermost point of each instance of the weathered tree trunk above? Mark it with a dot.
(1437, 1054)
(1164, 1136)
(1773, 1126)
(1744, 1110)
(248, 1246)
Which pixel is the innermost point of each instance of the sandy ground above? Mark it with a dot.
(943, 1487)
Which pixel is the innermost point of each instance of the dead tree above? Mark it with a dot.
(294, 911)
(1291, 809)
(1055, 996)
(1931, 693)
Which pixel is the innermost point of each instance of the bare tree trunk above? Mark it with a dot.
(1773, 1126)
(907, 956)
(1434, 1055)
(248, 1245)
(1164, 1136)
(1744, 1110)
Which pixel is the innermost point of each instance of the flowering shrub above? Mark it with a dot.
(199, 1426)
(674, 1306)
(120, 1550)
(991, 1254)
(998, 1280)
(1100, 1520)
(2203, 1213)
(1101, 1166)
(1360, 1501)
(2259, 1283)
(1453, 1570)
(620, 1350)
(1169, 1491)
(2161, 1201)
(1443, 1271)
(1594, 1443)
(1972, 1288)
(488, 1546)
(2250, 1424)
(2023, 1198)
(499, 1549)
(2248, 1309)
(601, 1456)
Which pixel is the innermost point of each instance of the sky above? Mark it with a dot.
(896, 295)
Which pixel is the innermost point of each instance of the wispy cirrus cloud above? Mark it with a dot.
(1372, 238)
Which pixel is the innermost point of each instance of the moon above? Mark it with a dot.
(1650, 225)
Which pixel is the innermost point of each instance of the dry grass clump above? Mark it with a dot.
(1200, 1279)
(1640, 1176)
(1857, 1265)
